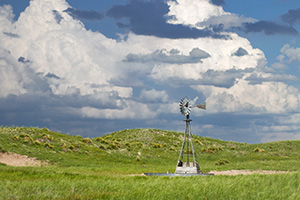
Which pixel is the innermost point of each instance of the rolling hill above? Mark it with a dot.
(105, 165)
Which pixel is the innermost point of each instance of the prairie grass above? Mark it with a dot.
(51, 183)
(101, 168)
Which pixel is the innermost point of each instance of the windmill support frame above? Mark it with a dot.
(185, 165)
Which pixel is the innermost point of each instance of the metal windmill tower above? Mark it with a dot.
(187, 161)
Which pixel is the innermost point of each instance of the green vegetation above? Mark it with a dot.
(101, 168)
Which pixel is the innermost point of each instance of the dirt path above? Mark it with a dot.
(14, 159)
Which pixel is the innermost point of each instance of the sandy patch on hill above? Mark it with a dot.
(14, 159)
(246, 172)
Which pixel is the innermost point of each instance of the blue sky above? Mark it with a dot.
(94, 67)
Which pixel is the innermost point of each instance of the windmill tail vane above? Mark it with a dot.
(201, 105)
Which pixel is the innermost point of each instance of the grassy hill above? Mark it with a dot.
(100, 168)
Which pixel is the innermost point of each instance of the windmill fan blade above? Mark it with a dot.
(202, 106)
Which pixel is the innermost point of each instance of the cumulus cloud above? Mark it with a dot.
(52, 69)
(10, 74)
(132, 110)
(285, 127)
(289, 55)
(153, 96)
(204, 14)
(149, 18)
(292, 53)
(267, 97)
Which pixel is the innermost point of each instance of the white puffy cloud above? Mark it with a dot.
(10, 74)
(292, 53)
(47, 50)
(280, 136)
(153, 95)
(203, 14)
(132, 110)
(267, 97)
(190, 12)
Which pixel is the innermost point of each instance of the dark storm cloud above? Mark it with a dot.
(57, 16)
(84, 14)
(269, 28)
(13, 35)
(23, 60)
(292, 17)
(149, 18)
(259, 79)
(218, 2)
(171, 57)
(50, 75)
(225, 79)
(240, 52)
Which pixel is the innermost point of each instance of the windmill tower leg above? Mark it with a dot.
(185, 164)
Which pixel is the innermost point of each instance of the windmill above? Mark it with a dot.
(187, 161)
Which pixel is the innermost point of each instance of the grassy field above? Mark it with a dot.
(102, 168)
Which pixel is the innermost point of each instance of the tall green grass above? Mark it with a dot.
(50, 183)
(101, 168)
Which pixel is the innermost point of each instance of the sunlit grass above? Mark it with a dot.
(101, 168)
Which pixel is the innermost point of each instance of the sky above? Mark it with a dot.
(94, 67)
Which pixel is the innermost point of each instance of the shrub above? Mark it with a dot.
(138, 159)
(137, 144)
(211, 149)
(101, 140)
(112, 146)
(50, 137)
(198, 142)
(127, 144)
(108, 136)
(37, 142)
(87, 140)
(116, 143)
(157, 145)
(28, 139)
(258, 150)
(2, 150)
(23, 135)
(47, 137)
(233, 148)
(47, 145)
(222, 162)
(16, 138)
(172, 149)
(45, 129)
